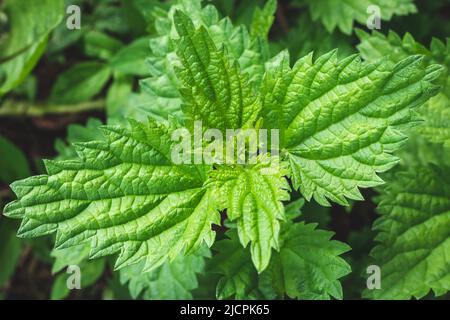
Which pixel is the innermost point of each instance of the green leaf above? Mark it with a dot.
(122, 196)
(308, 36)
(239, 277)
(131, 60)
(375, 45)
(78, 133)
(13, 163)
(59, 288)
(62, 38)
(414, 239)
(100, 45)
(216, 92)
(109, 16)
(90, 272)
(173, 280)
(10, 248)
(30, 23)
(160, 96)
(342, 13)
(254, 196)
(307, 266)
(69, 256)
(435, 128)
(80, 83)
(161, 92)
(117, 100)
(263, 19)
(293, 209)
(341, 119)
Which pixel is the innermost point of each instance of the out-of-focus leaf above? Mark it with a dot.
(263, 19)
(59, 288)
(309, 36)
(308, 265)
(90, 272)
(69, 256)
(117, 100)
(109, 17)
(173, 280)
(343, 13)
(31, 22)
(414, 238)
(131, 59)
(13, 164)
(9, 249)
(80, 83)
(292, 210)
(78, 133)
(100, 45)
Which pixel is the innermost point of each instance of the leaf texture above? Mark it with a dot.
(122, 196)
(173, 280)
(216, 91)
(307, 266)
(254, 200)
(340, 120)
(162, 89)
(239, 277)
(435, 113)
(414, 234)
(343, 13)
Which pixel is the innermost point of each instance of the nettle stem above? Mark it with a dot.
(11, 108)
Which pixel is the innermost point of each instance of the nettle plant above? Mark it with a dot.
(339, 121)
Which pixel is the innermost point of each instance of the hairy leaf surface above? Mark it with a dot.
(254, 196)
(414, 234)
(216, 91)
(163, 87)
(123, 196)
(343, 13)
(173, 280)
(308, 265)
(239, 277)
(435, 113)
(340, 119)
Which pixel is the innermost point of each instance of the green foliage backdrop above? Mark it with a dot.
(87, 178)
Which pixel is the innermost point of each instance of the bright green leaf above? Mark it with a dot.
(340, 119)
(414, 239)
(173, 280)
(436, 127)
(216, 91)
(263, 19)
(254, 196)
(308, 265)
(122, 196)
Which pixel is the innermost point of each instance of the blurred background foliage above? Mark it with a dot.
(58, 85)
